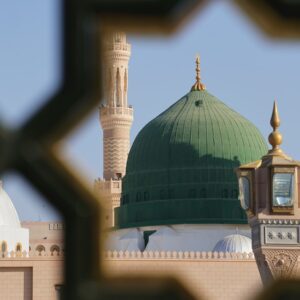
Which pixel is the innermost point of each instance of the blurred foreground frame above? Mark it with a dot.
(30, 150)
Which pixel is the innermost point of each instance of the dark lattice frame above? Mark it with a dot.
(30, 150)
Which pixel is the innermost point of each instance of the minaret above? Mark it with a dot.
(116, 117)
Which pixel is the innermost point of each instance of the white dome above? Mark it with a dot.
(234, 243)
(8, 214)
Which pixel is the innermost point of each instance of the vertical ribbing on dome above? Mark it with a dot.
(189, 149)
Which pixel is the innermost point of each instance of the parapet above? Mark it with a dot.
(177, 255)
(30, 255)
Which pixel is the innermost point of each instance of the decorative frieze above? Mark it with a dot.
(177, 255)
(281, 235)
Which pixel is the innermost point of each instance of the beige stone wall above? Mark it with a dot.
(16, 283)
(210, 278)
(30, 278)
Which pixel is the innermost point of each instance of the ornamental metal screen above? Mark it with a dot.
(30, 150)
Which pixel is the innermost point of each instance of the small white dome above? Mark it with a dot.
(234, 243)
(8, 214)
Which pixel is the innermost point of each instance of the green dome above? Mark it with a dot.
(180, 168)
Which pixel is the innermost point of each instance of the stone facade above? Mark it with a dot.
(45, 237)
(208, 275)
(30, 275)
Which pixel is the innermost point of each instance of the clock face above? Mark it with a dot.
(283, 189)
(244, 189)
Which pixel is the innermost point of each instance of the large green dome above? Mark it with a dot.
(180, 168)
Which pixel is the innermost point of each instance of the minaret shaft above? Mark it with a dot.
(116, 116)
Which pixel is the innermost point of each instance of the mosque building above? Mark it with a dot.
(170, 201)
(31, 255)
(179, 191)
(13, 236)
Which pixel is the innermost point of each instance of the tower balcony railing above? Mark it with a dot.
(108, 110)
(114, 186)
(115, 46)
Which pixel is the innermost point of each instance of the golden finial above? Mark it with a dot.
(198, 86)
(275, 138)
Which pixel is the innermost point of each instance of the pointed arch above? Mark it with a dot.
(40, 249)
(19, 247)
(118, 88)
(3, 246)
(125, 88)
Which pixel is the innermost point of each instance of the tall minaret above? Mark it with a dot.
(116, 117)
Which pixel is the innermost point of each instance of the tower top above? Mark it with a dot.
(198, 86)
(275, 137)
(117, 37)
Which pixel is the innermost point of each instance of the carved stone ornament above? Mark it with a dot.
(281, 263)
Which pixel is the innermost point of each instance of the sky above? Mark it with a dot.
(239, 64)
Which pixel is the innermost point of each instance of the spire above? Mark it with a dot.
(198, 86)
(275, 137)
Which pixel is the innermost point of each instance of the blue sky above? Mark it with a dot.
(239, 65)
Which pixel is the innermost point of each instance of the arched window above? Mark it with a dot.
(192, 193)
(54, 250)
(40, 249)
(171, 194)
(225, 193)
(162, 195)
(138, 197)
(234, 193)
(203, 193)
(125, 199)
(118, 88)
(19, 247)
(146, 196)
(3, 246)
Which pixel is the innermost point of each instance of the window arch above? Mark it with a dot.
(162, 194)
(234, 193)
(192, 193)
(225, 193)
(203, 193)
(138, 197)
(40, 249)
(53, 249)
(3, 246)
(19, 247)
(146, 196)
(171, 193)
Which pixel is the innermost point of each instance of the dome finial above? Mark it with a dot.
(198, 86)
(275, 137)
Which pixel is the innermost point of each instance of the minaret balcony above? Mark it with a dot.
(118, 46)
(108, 110)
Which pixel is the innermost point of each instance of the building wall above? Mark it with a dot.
(14, 236)
(30, 278)
(49, 235)
(205, 274)
(16, 283)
